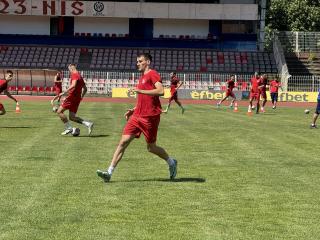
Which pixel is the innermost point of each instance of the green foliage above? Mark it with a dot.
(239, 177)
(312, 56)
(294, 15)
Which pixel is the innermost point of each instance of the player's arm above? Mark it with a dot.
(84, 90)
(10, 96)
(158, 91)
(179, 85)
(129, 112)
(71, 87)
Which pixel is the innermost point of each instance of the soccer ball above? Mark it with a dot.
(75, 132)
(307, 111)
(55, 109)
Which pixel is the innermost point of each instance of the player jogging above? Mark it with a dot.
(229, 92)
(144, 118)
(263, 91)
(58, 90)
(274, 88)
(254, 92)
(4, 88)
(316, 113)
(75, 92)
(175, 84)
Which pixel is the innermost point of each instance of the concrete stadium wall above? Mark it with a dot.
(180, 27)
(101, 25)
(37, 25)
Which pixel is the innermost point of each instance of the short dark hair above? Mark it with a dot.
(173, 73)
(10, 72)
(147, 56)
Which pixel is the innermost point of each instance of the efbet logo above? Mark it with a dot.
(294, 97)
(206, 95)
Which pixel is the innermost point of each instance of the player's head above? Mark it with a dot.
(232, 77)
(9, 75)
(173, 74)
(256, 74)
(72, 67)
(143, 61)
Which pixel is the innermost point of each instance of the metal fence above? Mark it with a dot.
(40, 82)
(300, 41)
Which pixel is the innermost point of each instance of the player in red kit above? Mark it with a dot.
(4, 88)
(274, 88)
(174, 86)
(75, 92)
(229, 91)
(144, 118)
(58, 90)
(255, 92)
(263, 91)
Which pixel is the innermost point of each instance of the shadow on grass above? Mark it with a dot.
(18, 127)
(187, 179)
(95, 136)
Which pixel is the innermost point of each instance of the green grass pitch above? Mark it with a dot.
(239, 177)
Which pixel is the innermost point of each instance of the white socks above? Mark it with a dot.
(110, 170)
(85, 123)
(67, 125)
(170, 161)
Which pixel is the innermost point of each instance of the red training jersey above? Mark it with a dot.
(230, 84)
(58, 84)
(174, 84)
(147, 105)
(77, 91)
(263, 83)
(3, 85)
(255, 83)
(274, 86)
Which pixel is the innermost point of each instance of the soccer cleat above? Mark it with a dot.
(165, 111)
(182, 111)
(218, 105)
(104, 175)
(313, 126)
(274, 107)
(90, 128)
(67, 131)
(173, 169)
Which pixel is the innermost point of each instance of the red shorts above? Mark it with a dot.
(72, 104)
(263, 95)
(174, 96)
(146, 125)
(255, 95)
(1, 107)
(58, 90)
(229, 93)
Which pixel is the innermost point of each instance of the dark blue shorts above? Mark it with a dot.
(274, 97)
(318, 107)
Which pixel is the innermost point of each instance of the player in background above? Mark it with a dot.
(263, 90)
(75, 93)
(254, 92)
(58, 90)
(143, 118)
(274, 88)
(4, 88)
(229, 92)
(175, 84)
(316, 113)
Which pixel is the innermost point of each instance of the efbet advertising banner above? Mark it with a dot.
(218, 95)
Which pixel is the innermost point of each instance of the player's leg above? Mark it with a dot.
(275, 100)
(2, 109)
(73, 117)
(315, 116)
(258, 105)
(233, 96)
(222, 100)
(64, 119)
(169, 104)
(180, 105)
(250, 104)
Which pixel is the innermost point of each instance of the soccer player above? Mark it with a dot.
(254, 92)
(229, 92)
(316, 113)
(75, 92)
(57, 88)
(174, 86)
(4, 88)
(263, 91)
(274, 88)
(143, 118)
